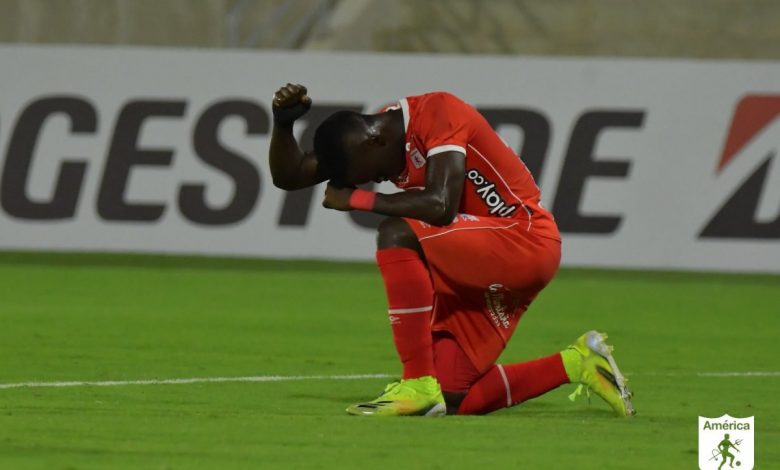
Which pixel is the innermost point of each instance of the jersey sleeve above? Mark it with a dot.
(443, 124)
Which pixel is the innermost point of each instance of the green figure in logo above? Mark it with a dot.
(723, 447)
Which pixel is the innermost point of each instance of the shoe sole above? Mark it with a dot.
(436, 411)
(596, 343)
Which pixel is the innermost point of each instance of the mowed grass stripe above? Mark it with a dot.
(193, 380)
(294, 378)
(123, 318)
(176, 261)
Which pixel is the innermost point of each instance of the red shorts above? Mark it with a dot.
(486, 271)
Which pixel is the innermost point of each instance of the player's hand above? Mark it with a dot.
(337, 198)
(290, 103)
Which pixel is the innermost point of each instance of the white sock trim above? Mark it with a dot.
(395, 311)
(506, 385)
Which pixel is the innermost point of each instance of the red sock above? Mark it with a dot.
(410, 302)
(507, 385)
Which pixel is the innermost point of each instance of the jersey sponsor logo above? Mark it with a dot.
(497, 297)
(752, 210)
(486, 190)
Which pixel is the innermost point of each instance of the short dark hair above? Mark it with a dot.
(330, 143)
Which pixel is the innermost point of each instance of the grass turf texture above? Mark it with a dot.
(115, 317)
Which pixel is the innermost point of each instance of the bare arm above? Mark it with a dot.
(291, 168)
(437, 204)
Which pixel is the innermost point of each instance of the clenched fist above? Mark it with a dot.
(337, 198)
(290, 103)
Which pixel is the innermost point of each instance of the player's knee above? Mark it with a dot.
(394, 232)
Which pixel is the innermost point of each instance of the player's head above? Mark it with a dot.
(353, 149)
(726, 436)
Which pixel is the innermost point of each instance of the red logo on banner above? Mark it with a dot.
(753, 113)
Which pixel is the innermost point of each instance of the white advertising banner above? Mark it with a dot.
(645, 163)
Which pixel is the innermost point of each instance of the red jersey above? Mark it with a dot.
(497, 184)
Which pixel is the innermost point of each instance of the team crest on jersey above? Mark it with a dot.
(417, 159)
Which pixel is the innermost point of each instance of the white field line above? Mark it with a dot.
(193, 380)
(740, 374)
(295, 378)
(763, 373)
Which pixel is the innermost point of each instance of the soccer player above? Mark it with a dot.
(724, 447)
(463, 252)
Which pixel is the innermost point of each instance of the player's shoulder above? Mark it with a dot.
(437, 105)
(437, 98)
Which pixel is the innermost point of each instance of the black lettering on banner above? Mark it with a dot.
(536, 134)
(297, 204)
(736, 219)
(245, 176)
(580, 164)
(16, 171)
(124, 154)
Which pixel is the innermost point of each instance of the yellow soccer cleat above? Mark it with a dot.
(589, 362)
(411, 397)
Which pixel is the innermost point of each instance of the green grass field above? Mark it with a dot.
(99, 318)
